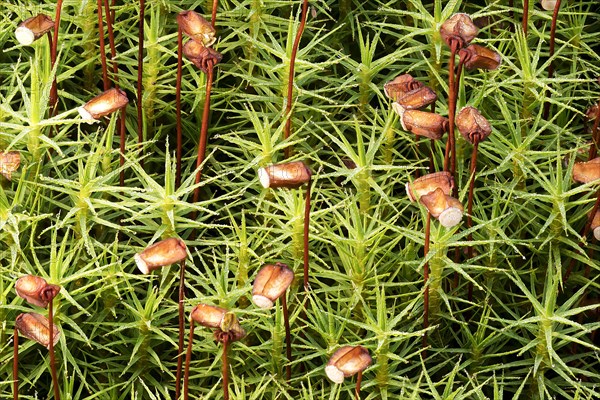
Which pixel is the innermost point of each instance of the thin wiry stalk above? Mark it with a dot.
(140, 76)
(105, 80)
(111, 41)
(525, 22)
(552, 44)
(51, 351)
(181, 329)
(53, 55)
(188, 359)
(225, 368)
(178, 105)
(122, 145)
(473, 172)
(450, 155)
(16, 364)
(358, 383)
(203, 130)
(426, 279)
(288, 107)
(288, 339)
(595, 135)
(213, 20)
(306, 227)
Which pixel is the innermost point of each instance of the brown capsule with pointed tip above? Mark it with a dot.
(472, 125)
(347, 361)
(271, 282)
(586, 172)
(417, 99)
(35, 290)
(160, 254)
(104, 104)
(596, 225)
(196, 27)
(423, 123)
(445, 208)
(287, 175)
(33, 28)
(202, 57)
(480, 57)
(9, 163)
(458, 29)
(400, 85)
(35, 326)
(429, 183)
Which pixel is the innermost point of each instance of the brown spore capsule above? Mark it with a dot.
(460, 29)
(196, 27)
(429, 183)
(288, 175)
(480, 57)
(35, 326)
(271, 282)
(104, 104)
(472, 125)
(33, 28)
(160, 254)
(347, 361)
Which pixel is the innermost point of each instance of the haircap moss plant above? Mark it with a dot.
(291, 175)
(271, 283)
(348, 361)
(227, 330)
(166, 252)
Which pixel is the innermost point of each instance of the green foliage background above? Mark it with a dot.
(63, 216)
